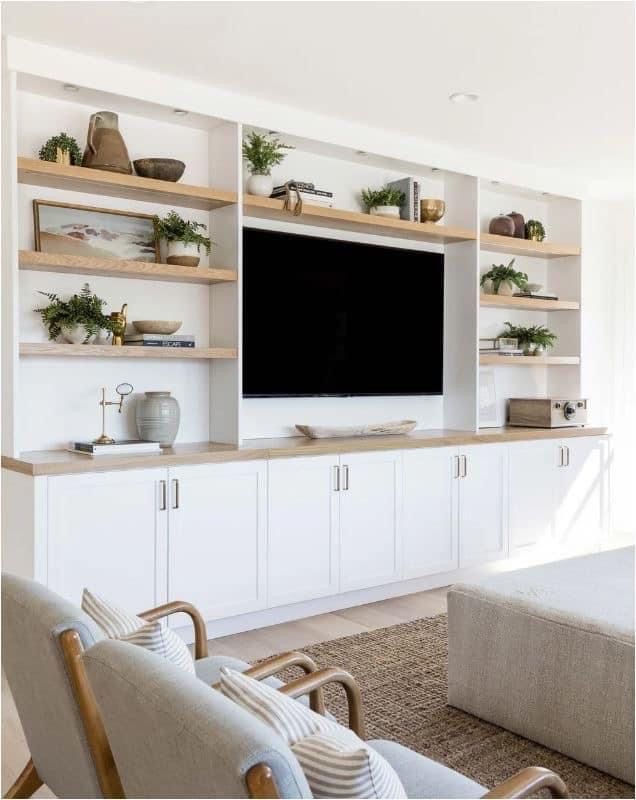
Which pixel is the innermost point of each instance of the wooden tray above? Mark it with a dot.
(378, 429)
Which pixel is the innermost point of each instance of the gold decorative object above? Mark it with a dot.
(123, 389)
(431, 210)
(118, 320)
(63, 157)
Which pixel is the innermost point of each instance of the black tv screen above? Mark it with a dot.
(327, 317)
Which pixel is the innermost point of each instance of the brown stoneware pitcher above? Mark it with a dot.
(105, 146)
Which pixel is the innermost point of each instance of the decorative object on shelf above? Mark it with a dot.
(118, 325)
(378, 429)
(118, 448)
(520, 224)
(156, 326)
(123, 390)
(105, 146)
(410, 206)
(62, 149)
(262, 152)
(160, 340)
(502, 225)
(488, 408)
(506, 344)
(306, 191)
(160, 169)
(384, 202)
(293, 201)
(534, 340)
(500, 279)
(184, 242)
(157, 416)
(431, 210)
(68, 229)
(533, 288)
(535, 230)
(77, 320)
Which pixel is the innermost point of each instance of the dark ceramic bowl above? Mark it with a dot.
(161, 169)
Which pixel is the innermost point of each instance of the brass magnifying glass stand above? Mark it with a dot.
(122, 390)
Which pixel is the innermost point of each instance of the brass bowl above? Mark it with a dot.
(431, 210)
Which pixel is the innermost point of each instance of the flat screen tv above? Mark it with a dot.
(325, 317)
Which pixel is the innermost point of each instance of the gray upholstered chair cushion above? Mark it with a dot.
(173, 736)
(32, 619)
(423, 778)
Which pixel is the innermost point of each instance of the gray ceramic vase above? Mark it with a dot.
(157, 417)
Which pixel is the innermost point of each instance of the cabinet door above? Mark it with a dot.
(581, 518)
(533, 475)
(482, 496)
(217, 537)
(106, 532)
(429, 517)
(370, 508)
(302, 549)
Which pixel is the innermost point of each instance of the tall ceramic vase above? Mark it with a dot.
(157, 417)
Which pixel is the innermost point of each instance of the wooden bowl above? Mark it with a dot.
(156, 326)
(431, 210)
(161, 169)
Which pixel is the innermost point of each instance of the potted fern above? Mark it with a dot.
(384, 202)
(78, 320)
(534, 340)
(500, 279)
(183, 239)
(262, 152)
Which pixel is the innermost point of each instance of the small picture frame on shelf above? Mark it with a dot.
(69, 229)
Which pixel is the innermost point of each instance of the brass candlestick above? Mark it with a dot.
(123, 389)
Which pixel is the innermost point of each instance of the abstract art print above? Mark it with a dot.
(67, 229)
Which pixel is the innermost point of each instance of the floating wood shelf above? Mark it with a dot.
(531, 304)
(321, 216)
(114, 184)
(485, 359)
(108, 351)
(118, 268)
(526, 247)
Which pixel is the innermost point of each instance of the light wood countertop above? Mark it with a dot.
(62, 462)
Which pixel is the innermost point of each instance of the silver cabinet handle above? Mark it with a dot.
(561, 454)
(464, 471)
(456, 473)
(345, 487)
(175, 493)
(567, 455)
(162, 496)
(336, 479)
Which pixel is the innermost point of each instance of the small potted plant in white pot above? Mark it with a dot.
(534, 340)
(262, 152)
(78, 320)
(62, 149)
(501, 279)
(384, 202)
(183, 240)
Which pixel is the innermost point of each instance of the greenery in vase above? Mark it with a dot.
(174, 228)
(262, 152)
(535, 230)
(386, 196)
(84, 309)
(498, 274)
(537, 335)
(66, 143)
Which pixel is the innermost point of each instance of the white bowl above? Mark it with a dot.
(156, 326)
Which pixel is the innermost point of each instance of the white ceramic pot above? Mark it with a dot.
(261, 185)
(184, 255)
(157, 416)
(506, 288)
(385, 211)
(78, 336)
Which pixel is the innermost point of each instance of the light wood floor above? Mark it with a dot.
(251, 646)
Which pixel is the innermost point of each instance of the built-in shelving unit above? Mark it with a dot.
(109, 351)
(485, 359)
(526, 247)
(526, 303)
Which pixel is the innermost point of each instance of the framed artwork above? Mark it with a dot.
(72, 230)
(488, 408)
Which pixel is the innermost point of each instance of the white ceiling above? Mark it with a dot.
(556, 79)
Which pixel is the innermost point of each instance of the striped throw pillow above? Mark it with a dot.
(336, 762)
(153, 636)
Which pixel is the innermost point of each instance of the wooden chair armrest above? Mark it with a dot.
(275, 664)
(529, 781)
(322, 677)
(200, 632)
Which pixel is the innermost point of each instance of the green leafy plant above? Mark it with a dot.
(48, 151)
(262, 152)
(174, 228)
(535, 230)
(500, 273)
(386, 196)
(84, 309)
(537, 335)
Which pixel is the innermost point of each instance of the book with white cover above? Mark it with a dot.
(121, 447)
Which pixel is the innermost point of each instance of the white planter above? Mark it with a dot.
(77, 336)
(184, 255)
(261, 185)
(385, 211)
(506, 288)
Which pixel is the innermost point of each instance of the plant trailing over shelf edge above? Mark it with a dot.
(263, 152)
(386, 196)
(535, 334)
(174, 228)
(84, 309)
(498, 274)
(535, 230)
(66, 143)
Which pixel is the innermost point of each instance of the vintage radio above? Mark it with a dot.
(546, 412)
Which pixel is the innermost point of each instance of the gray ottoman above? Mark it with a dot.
(548, 653)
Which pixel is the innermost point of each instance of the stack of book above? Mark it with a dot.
(121, 447)
(410, 209)
(537, 295)
(160, 340)
(308, 194)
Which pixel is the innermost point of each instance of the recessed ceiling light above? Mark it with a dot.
(495, 183)
(463, 97)
(273, 133)
(180, 112)
(545, 194)
(70, 87)
(361, 153)
(434, 169)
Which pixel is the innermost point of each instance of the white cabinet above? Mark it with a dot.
(429, 517)
(303, 528)
(106, 532)
(218, 537)
(370, 508)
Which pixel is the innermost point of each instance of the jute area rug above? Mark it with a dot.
(402, 673)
